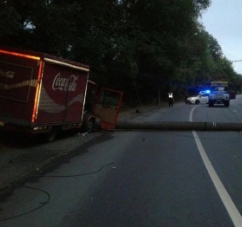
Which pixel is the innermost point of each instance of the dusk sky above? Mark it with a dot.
(223, 20)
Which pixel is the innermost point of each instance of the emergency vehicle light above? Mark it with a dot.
(19, 55)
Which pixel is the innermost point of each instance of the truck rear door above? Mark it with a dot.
(107, 107)
(19, 78)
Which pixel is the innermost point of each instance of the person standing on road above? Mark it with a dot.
(170, 99)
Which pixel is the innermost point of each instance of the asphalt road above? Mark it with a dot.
(142, 178)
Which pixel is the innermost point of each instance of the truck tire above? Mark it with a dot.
(51, 135)
(210, 103)
(89, 125)
(226, 103)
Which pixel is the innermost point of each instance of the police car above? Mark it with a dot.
(202, 97)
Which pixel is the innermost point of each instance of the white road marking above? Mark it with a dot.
(224, 195)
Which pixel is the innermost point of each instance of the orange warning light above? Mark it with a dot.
(19, 54)
(36, 99)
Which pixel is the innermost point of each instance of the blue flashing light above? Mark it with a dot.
(208, 91)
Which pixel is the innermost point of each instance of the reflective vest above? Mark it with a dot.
(170, 95)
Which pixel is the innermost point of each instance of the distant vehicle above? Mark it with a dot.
(44, 94)
(219, 97)
(198, 99)
(219, 93)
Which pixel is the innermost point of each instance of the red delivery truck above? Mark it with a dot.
(42, 93)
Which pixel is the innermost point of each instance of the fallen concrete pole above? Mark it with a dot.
(163, 125)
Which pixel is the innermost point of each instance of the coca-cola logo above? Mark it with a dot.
(8, 74)
(64, 84)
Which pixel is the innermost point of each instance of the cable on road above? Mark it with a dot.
(48, 195)
(78, 175)
(30, 211)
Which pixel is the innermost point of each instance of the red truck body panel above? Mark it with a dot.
(61, 95)
(38, 89)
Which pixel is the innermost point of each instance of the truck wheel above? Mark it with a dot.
(210, 104)
(88, 126)
(197, 102)
(51, 135)
(227, 103)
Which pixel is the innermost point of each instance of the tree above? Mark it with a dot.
(152, 45)
(10, 21)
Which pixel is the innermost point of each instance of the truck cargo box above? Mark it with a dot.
(39, 90)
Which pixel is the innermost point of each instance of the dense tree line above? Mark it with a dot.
(143, 47)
